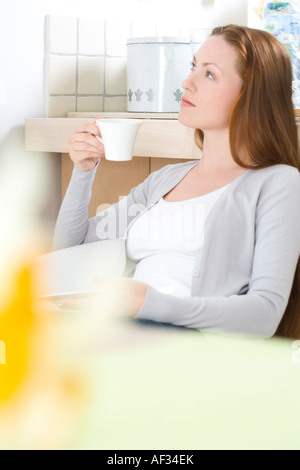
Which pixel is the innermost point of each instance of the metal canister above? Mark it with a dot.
(156, 68)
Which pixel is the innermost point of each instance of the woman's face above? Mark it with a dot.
(212, 86)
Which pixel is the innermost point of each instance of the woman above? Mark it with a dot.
(233, 270)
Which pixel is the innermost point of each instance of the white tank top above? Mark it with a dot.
(164, 240)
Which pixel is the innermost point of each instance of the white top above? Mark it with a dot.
(164, 241)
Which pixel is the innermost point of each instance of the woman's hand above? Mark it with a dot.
(124, 295)
(120, 296)
(84, 148)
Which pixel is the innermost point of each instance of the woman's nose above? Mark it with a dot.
(184, 84)
(187, 83)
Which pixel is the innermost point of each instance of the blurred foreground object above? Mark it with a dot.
(42, 391)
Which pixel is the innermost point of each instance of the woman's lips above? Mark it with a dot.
(186, 103)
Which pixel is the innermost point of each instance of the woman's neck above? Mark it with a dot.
(216, 154)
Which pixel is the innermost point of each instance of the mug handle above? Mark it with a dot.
(99, 138)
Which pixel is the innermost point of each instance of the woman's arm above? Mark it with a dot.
(72, 221)
(85, 151)
(74, 227)
(277, 248)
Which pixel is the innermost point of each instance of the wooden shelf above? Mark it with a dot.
(123, 115)
(160, 136)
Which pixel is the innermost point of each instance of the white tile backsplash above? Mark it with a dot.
(89, 103)
(117, 34)
(115, 76)
(86, 58)
(62, 75)
(59, 106)
(86, 65)
(115, 103)
(91, 37)
(90, 75)
(86, 62)
(61, 35)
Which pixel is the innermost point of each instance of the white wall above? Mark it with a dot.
(22, 47)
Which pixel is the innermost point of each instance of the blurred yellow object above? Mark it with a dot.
(44, 389)
(45, 386)
(16, 323)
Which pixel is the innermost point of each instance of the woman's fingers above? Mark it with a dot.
(84, 140)
(89, 127)
(84, 148)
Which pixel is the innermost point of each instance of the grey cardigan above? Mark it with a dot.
(243, 275)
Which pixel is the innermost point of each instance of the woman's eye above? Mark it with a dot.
(209, 75)
(193, 66)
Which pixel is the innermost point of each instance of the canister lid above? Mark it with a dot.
(159, 40)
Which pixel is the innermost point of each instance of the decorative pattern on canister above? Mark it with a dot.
(156, 68)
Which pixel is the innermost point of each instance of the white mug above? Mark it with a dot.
(118, 137)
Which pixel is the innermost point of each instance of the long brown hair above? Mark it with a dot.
(262, 123)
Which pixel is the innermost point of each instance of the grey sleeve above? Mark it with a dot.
(73, 225)
(277, 248)
(72, 221)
